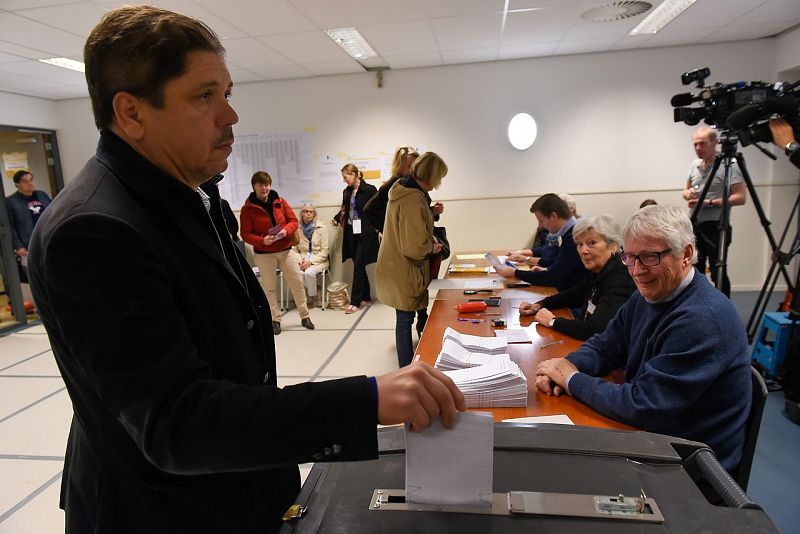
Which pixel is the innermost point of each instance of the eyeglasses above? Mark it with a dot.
(648, 259)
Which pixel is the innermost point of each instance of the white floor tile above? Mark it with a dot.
(378, 316)
(369, 352)
(301, 353)
(27, 476)
(16, 393)
(40, 430)
(36, 329)
(15, 348)
(41, 515)
(42, 365)
(323, 320)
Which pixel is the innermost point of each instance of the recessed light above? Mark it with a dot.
(352, 42)
(661, 16)
(65, 63)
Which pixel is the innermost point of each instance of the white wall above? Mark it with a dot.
(605, 123)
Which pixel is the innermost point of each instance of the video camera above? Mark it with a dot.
(743, 107)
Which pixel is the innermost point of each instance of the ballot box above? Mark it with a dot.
(547, 478)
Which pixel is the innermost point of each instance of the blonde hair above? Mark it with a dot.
(429, 168)
(400, 156)
(355, 170)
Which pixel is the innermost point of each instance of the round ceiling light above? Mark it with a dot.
(522, 131)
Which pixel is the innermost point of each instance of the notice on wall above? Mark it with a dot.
(13, 162)
(287, 158)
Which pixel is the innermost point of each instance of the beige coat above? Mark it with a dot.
(319, 246)
(403, 269)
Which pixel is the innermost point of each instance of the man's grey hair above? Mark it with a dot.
(708, 131)
(604, 224)
(566, 197)
(661, 222)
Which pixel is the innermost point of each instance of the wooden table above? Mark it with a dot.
(526, 355)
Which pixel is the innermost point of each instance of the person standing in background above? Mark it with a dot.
(360, 240)
(24, 208)
(268, 222)
(408, 243)
(706, 228)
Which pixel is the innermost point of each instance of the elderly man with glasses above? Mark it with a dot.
(679, 340)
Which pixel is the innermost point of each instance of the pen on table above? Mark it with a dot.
(553, 343)
(462, 319)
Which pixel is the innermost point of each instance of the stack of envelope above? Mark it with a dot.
(499, 383)
(454, 356)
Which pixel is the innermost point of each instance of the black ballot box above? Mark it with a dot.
(680, 477)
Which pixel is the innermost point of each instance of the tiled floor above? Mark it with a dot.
(35, 413)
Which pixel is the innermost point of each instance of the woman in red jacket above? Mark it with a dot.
(268, 221)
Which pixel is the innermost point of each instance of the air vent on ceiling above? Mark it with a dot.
(614, 11)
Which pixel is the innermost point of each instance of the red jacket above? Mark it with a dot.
(256, 222)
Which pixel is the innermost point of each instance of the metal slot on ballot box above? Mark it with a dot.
(617, 507)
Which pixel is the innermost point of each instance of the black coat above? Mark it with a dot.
(608, 290)
(368, 236)
(163, 337)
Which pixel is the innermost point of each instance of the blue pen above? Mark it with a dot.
(510, 264)
(462, 319)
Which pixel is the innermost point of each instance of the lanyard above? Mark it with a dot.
(353, 204)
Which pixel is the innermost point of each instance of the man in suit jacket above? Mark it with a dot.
(160, 330)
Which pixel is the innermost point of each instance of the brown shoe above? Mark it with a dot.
(307, 323)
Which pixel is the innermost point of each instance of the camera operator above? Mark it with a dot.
(706, 228)
(783, 137)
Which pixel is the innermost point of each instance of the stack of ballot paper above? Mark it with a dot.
(499, 383)
(455, 356)
(486, 345)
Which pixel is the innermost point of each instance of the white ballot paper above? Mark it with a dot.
(453, 466)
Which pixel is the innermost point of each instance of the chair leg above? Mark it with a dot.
(324, 291)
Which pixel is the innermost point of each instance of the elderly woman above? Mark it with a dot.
(600, 295)
(312, 248)
(680, 341)
(408, 242)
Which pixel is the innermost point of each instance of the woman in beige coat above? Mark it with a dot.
(403, 268)
(311, 251)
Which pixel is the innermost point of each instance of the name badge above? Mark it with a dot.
(590, 308)
(357, 226)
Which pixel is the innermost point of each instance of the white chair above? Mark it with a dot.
(325, 274)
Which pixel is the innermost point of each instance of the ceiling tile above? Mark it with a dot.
(324, 13)
(397, 39)
(592, 30)
(306, 47)
(363, 12)
(78, 19)
(526, 50)
(25, 32)
(239, 75)
(457, 8)
(469, 56)
(220, 25)
(250, 53)
(581, 46)
(748, 31)
(23, 52)
(540, 26)
(45, 72)
(711, 13)
(282, 72)
(11, 5)
(260, 17)
(407, 61)
(672, 38)
(463, 33)
(773, 11)
(334, 67)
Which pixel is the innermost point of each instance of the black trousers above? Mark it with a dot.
(360, 290)
(706, 235)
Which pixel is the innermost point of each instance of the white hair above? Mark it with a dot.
(662, 222)
(604, 224)
(568, 200)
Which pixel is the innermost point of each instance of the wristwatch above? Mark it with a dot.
(552, 322)
(791, 147)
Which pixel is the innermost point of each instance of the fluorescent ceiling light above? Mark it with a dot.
(65, 63)
(661, 16)
(352, 42)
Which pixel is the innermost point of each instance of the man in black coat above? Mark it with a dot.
(160, 330)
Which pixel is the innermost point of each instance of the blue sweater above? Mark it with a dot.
(687, 369)
(565, 271)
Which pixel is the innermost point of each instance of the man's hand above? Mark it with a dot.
(544, 316)
(519, 256)
(21, 252)
(547, 386)
(556, 370)
(437, 208)
(417, 394)
(529, 308)
(782, 133)
(505, 271)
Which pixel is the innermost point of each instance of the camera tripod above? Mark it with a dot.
(726, 157)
